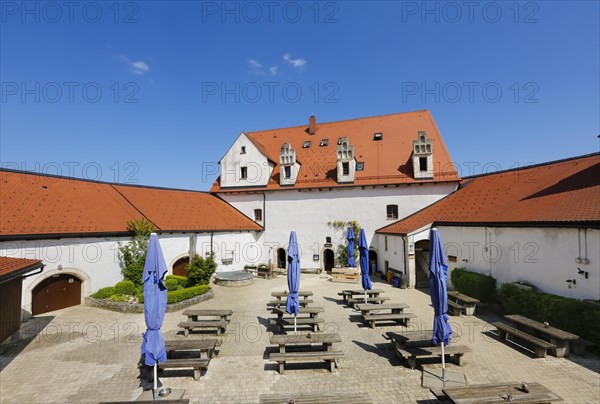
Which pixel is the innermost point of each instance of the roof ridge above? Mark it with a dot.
(527, 167)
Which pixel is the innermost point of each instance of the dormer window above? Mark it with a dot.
(345, 168)
(243, 151)
(287, 172)
(360, 166)
(306, 144)
(378, 136)
(422, 163)
(324, 142)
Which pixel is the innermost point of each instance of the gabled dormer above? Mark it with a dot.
(346, 165)
(422, 157)
(245, 165)
(288, 165)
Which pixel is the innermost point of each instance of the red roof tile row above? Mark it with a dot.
(566, 191)
(34, 204)
(9, 265)
(386, 161)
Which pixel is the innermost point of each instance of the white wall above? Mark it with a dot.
(545, 257)
(258, 166)
(308, 213)
(96, 260)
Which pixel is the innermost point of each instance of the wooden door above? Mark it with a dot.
(180, 267)
(56, 292)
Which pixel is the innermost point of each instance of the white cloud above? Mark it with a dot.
(254, 64)
(296, 63)
(256, 68)
(273, 69)
(139, 67)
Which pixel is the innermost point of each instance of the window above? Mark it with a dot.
(243, 150)
(244, 173)
(360, 166)
(378, 136)
(328, 240)
(386, 265)
(385, 245)
(422, 163)
(345, 168)
(287, 171)
(392, 211)
(324, 142)
(306, 144)
(258, 215)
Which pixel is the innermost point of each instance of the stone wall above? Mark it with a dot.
(125, 307)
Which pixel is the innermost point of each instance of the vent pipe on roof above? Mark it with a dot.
(312, 125)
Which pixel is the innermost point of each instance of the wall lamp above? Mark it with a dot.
(582, 272)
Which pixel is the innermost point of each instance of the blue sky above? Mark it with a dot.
(155, 92)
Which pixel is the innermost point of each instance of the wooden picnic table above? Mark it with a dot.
(311, 311)
(460, 300)
(556, 336)
(315, 347)
(389, 312)
(206, 347)
(303, 294)
(195, 314)
(348, 293)
(394, 307)
(413, 345)
(498, 393)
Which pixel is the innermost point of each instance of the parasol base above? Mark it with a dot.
(148, 395)
(432, 378)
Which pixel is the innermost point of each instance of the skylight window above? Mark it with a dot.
(324, 142)
(306, 144)
(378, 136)
(360, 166)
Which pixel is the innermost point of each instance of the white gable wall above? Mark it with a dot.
(258, 167)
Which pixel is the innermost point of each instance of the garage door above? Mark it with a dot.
(56, 292)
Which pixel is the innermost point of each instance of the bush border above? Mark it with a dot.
(124, 307)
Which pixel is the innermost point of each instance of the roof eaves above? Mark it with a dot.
(21, 271)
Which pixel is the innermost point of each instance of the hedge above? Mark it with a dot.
(576, 316)
(119, 298)
(104, 293)
(482, 287)
(180, 294)
(125, 288)
(181, 280)
(171, 284)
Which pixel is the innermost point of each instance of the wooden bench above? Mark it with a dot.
(320, 398)
(498, 393)
(358, 300)
(282, 303)
(411, 354)
(266, 273)
(349, 293)
(539, 345)
(469, 303)
(195, 314)
(559, 338)
(311, 311)
(328, 356)
(219, 325)
(398, 317)
(289, 321)
(195, 363)
(457, 309)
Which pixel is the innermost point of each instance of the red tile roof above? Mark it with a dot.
(562, 192)
(34, 204)
(10, 266)
(387, 161)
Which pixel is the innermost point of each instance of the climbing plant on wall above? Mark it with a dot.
(342, 225)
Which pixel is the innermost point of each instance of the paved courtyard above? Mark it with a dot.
(84, 354)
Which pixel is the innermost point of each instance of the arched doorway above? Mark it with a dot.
(281, 258)
(56, 292)
(180, 267)
(422, 264)
(328, 259)
(372, 262)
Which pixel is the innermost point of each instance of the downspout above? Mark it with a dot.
(406, 269)
(264, 210)
(212, 233)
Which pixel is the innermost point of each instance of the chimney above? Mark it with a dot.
(312, 125)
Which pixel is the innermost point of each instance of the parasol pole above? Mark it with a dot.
(443, 365)
(295, 331)
(155, 390)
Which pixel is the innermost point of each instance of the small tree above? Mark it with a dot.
(133, 254)
(200, 270)
(342, 253)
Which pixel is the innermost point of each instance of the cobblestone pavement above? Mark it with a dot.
(85, 354)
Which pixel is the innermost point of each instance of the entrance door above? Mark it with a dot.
(422, 264)
(372, 262)
(328, 259)
(180, 267)
(281, 258)
(56, 292)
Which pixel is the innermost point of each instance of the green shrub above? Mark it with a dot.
(572, 315)
(125, 288)
(104, 293)
(133, 254)
(119, 298)
(140, 297)
(187, 293)
(171, 284)
(482, 287)
(182, 280)
(200, 271)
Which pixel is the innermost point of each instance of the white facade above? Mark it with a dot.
(244, 165)
(95, 261)
(311, 214)
(546, 257)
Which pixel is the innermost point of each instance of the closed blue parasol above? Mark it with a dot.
(363, 249)
(350, 238)
(293, 277)
(438, 275)
(155, 305)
